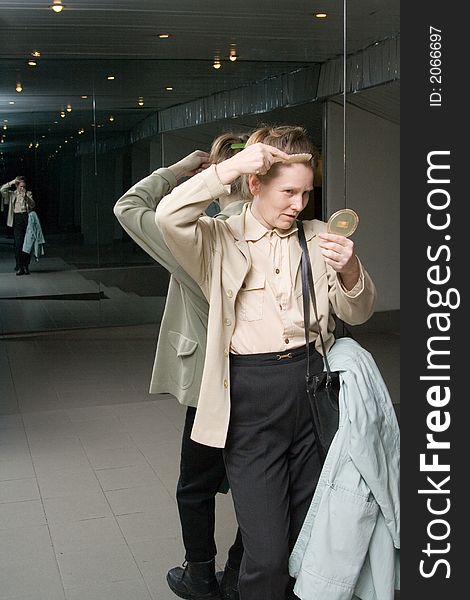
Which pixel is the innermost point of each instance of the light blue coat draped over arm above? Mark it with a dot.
(349, 542)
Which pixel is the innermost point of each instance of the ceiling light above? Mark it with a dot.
(32, 63)
(57, 6)
(321, 15)
(62, 114)
(19, 87)
(5, 127)
(84, 97)
(164, 36)
(111, 77)
(169, 88)
(36, 53)
(11, 102)
(233, 54)
(5, 120)
(69, 108)
(217, 64)
(111, 118)
(140, 102)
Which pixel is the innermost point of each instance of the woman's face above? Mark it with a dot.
(278, 200)
(21, 186)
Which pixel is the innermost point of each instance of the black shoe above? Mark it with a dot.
(21, 272)
(16, 268)
(228, 583)
(26, 271)
(194, 581)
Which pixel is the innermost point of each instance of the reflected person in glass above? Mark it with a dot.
(178, 369)
(20, 203)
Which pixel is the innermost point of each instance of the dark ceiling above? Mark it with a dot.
(91, 40)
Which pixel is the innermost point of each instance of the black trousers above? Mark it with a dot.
(272, 464)
(202, 472)
(20, 223)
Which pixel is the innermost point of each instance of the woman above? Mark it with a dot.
(252, 399)
(178, 371)
(20, 202)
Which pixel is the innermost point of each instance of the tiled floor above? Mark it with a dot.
(88, 459)
(88, 467)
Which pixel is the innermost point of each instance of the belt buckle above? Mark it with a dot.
(283, 356)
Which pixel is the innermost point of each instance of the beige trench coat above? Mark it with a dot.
(215, 254)
(181, 346)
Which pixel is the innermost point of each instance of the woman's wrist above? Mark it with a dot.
(177, 170)
(350, 277)
(226, 171)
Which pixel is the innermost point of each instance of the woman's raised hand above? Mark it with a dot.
(338, 252)
(254, 159)
(188, 166)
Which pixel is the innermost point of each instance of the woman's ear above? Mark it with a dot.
(254, 184)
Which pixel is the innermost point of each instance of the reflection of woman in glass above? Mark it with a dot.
(20, 202)
(178, 370)
(253, 400)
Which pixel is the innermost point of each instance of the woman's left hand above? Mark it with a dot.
(338, 252)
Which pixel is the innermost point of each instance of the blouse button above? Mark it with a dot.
(229, 293)
(225, 352)
(225, 384)
(286, 341)
(228, 322)
(277, 271)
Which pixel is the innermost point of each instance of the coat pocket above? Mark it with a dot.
(251, 297)
(184, 358)
(339, 540)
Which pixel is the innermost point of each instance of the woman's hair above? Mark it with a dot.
(221, 149)
(288, 138)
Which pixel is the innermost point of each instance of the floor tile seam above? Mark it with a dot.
(126, 542)
(151, 466)
(56, 562)
(3, 502)
(112, 515)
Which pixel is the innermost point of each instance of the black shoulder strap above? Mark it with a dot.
(308, 292)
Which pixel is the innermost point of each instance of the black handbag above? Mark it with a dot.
(323, 388)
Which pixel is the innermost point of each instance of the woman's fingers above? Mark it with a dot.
(337, 250)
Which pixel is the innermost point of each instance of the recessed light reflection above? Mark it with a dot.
(57, 6)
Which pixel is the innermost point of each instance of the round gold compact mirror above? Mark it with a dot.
(343, 222)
